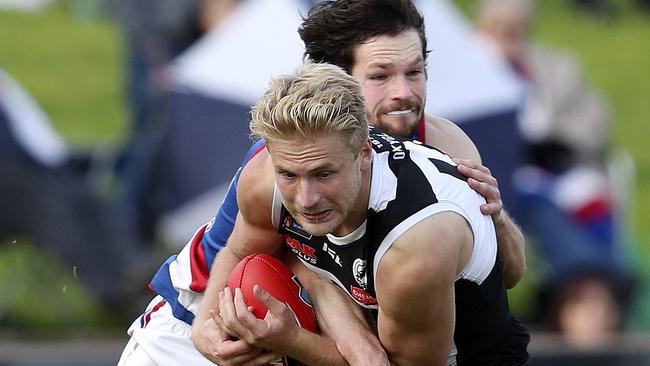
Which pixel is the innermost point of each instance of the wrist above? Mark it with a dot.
(367, 352)
(500, 218)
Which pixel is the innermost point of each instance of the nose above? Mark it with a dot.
(400, 88)
(307, 195)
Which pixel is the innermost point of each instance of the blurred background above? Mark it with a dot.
(70, 66)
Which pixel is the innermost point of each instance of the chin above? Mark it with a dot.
(319, 228)
(400, 128)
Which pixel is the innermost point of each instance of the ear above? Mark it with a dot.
(366, 155)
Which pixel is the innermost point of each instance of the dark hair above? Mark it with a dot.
(334, 28)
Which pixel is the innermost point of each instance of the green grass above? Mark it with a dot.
(73, 68)
(40, 294)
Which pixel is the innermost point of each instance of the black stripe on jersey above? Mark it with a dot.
(444, 167)
(414, 185)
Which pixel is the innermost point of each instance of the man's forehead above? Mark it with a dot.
(384, 50)
(311, 148)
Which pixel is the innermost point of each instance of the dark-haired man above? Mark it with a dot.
(383, 44)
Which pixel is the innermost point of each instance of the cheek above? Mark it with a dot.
(372, 96)
(420, 89)
(338, 192)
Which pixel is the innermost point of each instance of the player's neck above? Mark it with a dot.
(359, 212)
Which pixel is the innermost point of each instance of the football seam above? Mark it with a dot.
(241, 275)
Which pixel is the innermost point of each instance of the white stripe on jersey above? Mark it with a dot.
(452, 195)
(180, 272)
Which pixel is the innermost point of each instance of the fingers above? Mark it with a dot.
(490, 209)
(274, 305)
(244, 312)
(225, 350)
(480, 173)
(480, 178)
(234, 313)
(472, 164)
(249, 358)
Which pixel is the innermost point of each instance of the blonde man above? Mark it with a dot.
(432, 278)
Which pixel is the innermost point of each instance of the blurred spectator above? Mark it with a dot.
(45, 198)
(566, 195)
(155, 31)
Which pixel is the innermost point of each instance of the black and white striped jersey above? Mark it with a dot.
(410, 182)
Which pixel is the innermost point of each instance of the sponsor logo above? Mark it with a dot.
(362, 296)
(292, 226)
(332, 254)
(359, 272)
(303, 251)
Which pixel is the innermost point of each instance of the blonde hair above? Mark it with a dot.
(318, 100)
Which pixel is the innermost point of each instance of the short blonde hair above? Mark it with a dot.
(319, 99)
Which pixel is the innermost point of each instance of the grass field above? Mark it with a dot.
(73, 68)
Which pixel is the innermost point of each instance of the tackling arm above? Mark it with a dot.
(341, 319)
(253, 232)
(510, 239)
(448, 137)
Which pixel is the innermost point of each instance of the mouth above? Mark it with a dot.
(315, 217)
(399, 113)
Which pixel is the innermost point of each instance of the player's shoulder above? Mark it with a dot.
(435, 249)
(447, 136)
(256, 182)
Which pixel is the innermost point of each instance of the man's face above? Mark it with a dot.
(508, 27)
(392, 74)
(321, 181)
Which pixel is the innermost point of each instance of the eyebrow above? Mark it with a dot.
(316, 169)
(386, 65)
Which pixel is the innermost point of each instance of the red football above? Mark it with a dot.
(276, 278)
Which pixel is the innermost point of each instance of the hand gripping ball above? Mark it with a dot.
(275, 278)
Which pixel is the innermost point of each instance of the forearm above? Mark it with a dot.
(511, 244)
(314, 350)
(223, 265)
(342, 320)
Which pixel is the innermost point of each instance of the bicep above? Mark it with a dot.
(415, 290)
(416, 328)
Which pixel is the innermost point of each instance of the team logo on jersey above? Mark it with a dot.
(332, 254)
(362, 296)
(303, 251)
(359, 272)
(291, 225)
